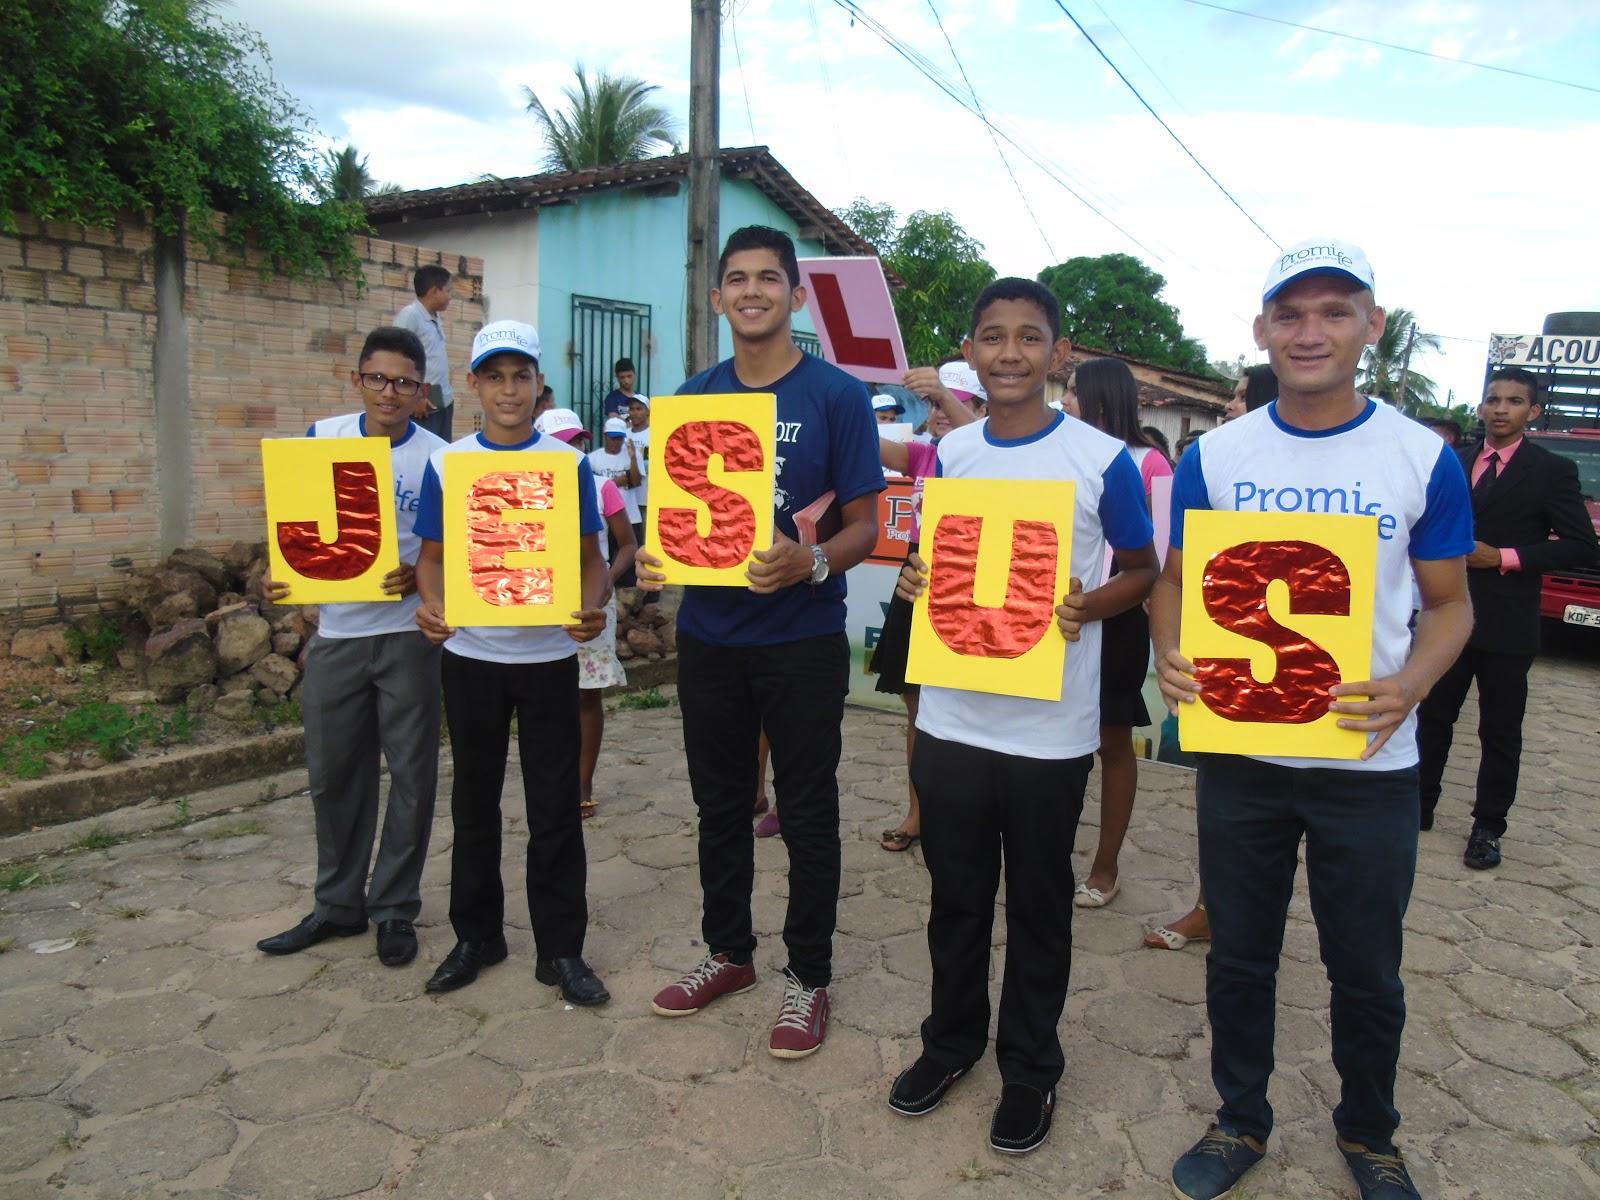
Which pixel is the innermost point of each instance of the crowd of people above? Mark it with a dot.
(997, 783)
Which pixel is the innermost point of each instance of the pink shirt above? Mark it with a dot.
(921, 460)
(1508, 557)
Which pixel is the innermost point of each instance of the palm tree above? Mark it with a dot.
(1383, 364)
(608, 121)
(345, 177)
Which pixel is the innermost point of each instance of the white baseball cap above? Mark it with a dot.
(505, 337)
(1317, 256)
(560, 423)
(616, 427)
(962, 380)
(887, 403)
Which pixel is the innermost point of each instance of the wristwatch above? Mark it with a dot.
(819, 565)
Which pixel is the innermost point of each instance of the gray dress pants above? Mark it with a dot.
(362, 696)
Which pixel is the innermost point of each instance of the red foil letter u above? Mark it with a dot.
(978, 631)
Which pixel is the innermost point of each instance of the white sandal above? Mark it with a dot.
(1084, 896)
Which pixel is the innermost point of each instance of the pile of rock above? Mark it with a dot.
(644, 631)
(215, 642)
(199, 631)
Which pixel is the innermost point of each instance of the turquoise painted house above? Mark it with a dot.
(597, 259)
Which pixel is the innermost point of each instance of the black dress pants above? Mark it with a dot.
(979, 806)
(795, 691)
(1502, 699)
(479, 700)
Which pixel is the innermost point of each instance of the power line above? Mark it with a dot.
(1164, 125)
(733, 28)
(933, 76)
(998, 149)
(1350, 37)
(1156, 74)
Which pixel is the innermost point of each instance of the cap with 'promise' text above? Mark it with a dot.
(1317, 256)
(505, 337)
(962, 381)
(560, 423)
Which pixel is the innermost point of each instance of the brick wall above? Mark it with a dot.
(266, 356)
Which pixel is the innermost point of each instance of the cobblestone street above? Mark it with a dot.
(162, 1055)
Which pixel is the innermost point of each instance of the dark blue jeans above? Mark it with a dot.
(1360, 829)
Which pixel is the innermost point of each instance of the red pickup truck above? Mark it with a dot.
(1574, 596)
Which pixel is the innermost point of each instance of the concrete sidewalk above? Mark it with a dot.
(163, 1056)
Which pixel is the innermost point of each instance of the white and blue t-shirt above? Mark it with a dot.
(827, 440)
(1380, 464)
(409, 457)
(507, 643)
(1110, 506)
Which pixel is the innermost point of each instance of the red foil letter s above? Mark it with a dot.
(1014, 628)
(733, 521)
(1235, 592)
(491, 537)
(353, 551)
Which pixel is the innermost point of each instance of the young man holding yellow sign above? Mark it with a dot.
(1323, 448)
(773, 655)
(372, 686)
(492, 672)
(1001, 760)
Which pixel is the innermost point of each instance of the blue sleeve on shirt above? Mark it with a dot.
(853, 445)
(311, 431)
(1124, 516)
(1445, 528)
(429, 524)
(588, 504)
(1188, 490)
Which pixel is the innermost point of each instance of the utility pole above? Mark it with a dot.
(705, 58)
(1405, 365)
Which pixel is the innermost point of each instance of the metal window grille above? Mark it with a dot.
(602, 332)
(809, 343)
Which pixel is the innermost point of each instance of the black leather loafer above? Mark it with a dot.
(397, 942)
(578, 983)
(308, 933)
(920, 1088)
(461, 966)
(1021, 1119)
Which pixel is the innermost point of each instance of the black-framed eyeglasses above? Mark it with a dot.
(373, 381)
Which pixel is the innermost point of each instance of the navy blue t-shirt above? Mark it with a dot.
(827, 440)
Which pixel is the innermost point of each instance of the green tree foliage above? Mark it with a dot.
(116, 106)
(942, 266)
(1113, 302)
(608, 121)
(1383, 364)
(344, 176)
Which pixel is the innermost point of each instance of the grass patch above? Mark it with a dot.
(84, 936)
(16, 879)
(285, 714)
(649, 698)
(243, 829)
(113, 730)
(129, 913)
(6, 944)
(98, 641)
(184, 815)
(98, 838)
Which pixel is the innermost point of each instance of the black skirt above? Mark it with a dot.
(1124, 666)
(894, 647)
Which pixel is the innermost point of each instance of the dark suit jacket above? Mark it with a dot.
(1535, 495)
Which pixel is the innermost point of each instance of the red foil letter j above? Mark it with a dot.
(355, 547)
(732, 538)
(978, 631)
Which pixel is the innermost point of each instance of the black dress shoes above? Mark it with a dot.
(1021, 1119)
(308, 933)
(1483, 849)
(579, 985)
(461, 966)
(397, 943)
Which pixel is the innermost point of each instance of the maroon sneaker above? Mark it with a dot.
(714, 977)
(802, 1022)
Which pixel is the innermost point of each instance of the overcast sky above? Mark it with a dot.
(1473, 192)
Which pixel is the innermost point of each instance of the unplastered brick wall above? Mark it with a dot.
(80, 504)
